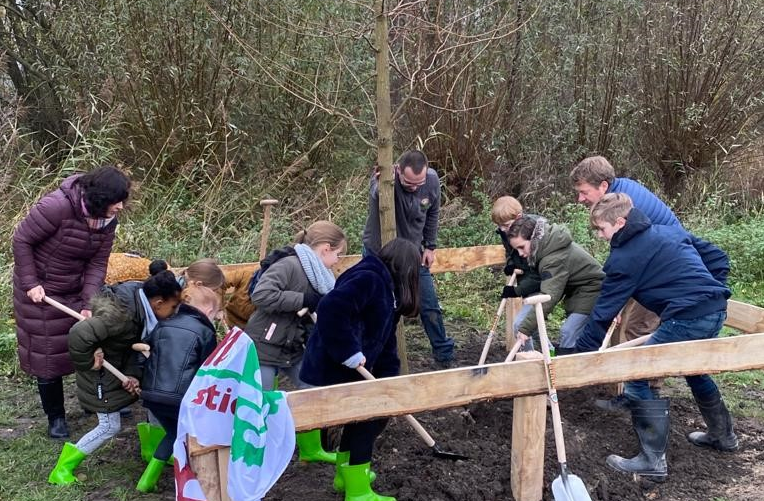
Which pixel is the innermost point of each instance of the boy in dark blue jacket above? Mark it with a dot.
(660, 268)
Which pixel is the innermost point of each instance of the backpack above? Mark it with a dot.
(274, 256)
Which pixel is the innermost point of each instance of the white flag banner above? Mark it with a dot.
(226, 405)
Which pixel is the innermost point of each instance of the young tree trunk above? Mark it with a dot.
(384, 126)
(385, 149)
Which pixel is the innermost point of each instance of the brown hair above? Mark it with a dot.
(522, 227)
(610, 207)
(322, 232)
(205, 271)
(506, 209)
(593, 170)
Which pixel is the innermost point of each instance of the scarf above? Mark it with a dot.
(95, 223)
(319, 276)
(151, 319)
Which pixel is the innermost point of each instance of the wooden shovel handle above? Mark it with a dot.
(609, 334)
(631, 344)
(304, 311)
(492, 332)
(513, 352)
(550, 382)
(106, 365)
(411, 419)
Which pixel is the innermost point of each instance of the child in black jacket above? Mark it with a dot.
(179, 346)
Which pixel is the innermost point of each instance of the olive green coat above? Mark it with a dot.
(110, 329)
(567, 273)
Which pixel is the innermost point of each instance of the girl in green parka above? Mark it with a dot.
(568, 273)
(109, 335)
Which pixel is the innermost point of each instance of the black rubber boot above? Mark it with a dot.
(719, 435)
(650, 419)
(52, 398)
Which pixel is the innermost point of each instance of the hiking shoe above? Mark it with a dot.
(615, 404)
(444, 364)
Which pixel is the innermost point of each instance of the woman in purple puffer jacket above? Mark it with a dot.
(61, 249)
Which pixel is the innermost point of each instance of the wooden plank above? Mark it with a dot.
(744, 317)
(528, 433)
(447, 259)
(333, 405)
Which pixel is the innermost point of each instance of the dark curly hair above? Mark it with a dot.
(103, 187)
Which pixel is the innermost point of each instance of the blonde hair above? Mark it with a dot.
(610, 207)
(202, 298)
(505, 210)
(205, 271)
(593, 170)
(322, 232)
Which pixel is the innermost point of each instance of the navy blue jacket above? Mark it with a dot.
(179, 346)
(357, 315)
(659, 267)
(658, 212)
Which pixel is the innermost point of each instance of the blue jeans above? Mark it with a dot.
(432, 318)
(570, 330)
(673, 331)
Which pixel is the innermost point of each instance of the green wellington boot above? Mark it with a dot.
(357, 484)
(150, 477)
(339, 482)
(70, 458)
(149, 436)
(311, 451)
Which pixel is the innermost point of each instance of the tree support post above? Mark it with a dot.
(528, 433)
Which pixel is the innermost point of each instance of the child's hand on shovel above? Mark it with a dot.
(97, 359)
(132, 386)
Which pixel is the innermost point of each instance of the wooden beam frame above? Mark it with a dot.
(333, 405)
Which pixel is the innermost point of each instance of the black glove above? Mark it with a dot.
(508, 292)
(310, 299)
(509, 269)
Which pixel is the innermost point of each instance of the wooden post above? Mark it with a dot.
(266, 231)
(528, 431)
(206, 465)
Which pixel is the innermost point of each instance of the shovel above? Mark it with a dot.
(436, 450)
(492, 332)
(566, 487)
(106, 365)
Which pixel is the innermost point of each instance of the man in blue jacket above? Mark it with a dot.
(659, 267)
(592, 178)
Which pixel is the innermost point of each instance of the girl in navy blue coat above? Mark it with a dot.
(356, 326)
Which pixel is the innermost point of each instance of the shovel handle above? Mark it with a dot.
(631, 344)
(492, 332)
(515, 348)
(304, 311)
(411, 419)
(64, 308)
(559, 440)
(106, 365)
(608, 335)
